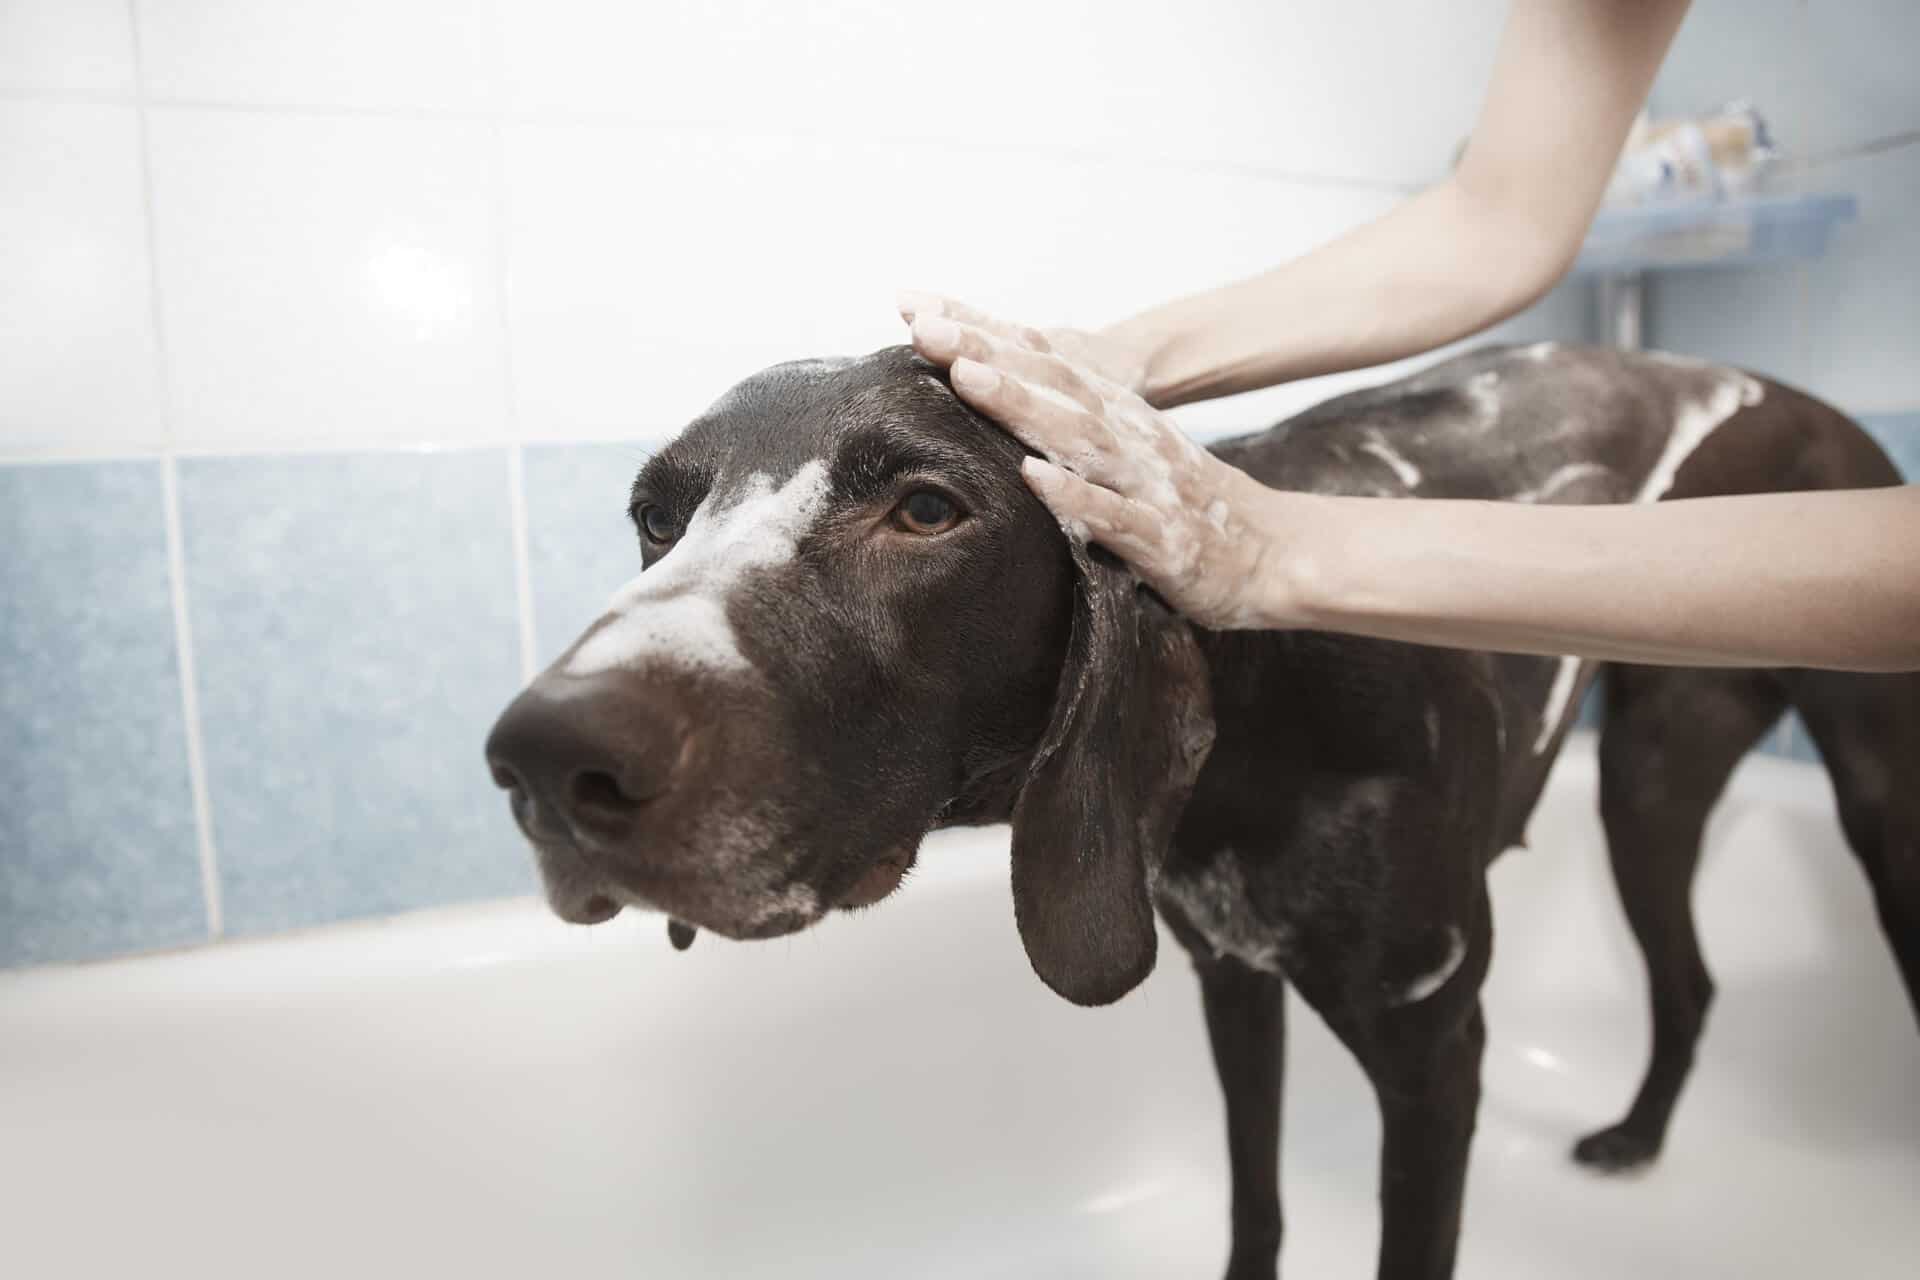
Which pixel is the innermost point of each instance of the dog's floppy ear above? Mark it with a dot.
(1131, 725)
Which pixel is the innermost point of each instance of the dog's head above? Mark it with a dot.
(854, 624)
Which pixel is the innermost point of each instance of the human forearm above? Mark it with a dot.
(1827, 579)
(1439, 267)
(1466, 254)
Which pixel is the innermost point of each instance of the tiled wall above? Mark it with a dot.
(331, 333)
(1832, 77)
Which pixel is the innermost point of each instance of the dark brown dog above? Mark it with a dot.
(855, 625)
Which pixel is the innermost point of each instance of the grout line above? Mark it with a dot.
(170, 514)
(509, 385)
(190, 701)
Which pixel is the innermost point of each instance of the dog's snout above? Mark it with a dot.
(582, 759)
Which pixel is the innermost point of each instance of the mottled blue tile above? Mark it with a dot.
(1792, 741)
(1800, 745)
(580, 544)
(97, 846)
(355, 623)
(1778, 740)
(1593, 706)
(1899, 435)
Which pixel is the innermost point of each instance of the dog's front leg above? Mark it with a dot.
(1246, 1022)
(1427, 1079)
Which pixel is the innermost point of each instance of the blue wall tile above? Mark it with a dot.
(355, 624)
(580, 544)
(97, 845)
(1899, 435)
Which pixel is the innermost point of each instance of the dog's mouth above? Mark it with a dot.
(590, 899)
(878, 880)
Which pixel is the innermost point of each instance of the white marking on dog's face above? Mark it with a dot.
(797, 900)
(1696, 422)
(1540, 351)
(1428, 983)
(1377, 445)
(677, 610)
(1557, 698)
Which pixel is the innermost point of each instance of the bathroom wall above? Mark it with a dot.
(330, 334)
(1835, 80)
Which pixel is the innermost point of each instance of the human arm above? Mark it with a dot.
(1820, 579)
(1480, 245)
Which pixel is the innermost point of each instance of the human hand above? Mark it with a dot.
(1117, 471)
(1114, 359)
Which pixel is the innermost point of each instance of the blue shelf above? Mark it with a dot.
(1726, 233)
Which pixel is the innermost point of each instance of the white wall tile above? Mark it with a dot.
(347, 53)
(1859, 58)
(78, 372)
(83, 46)
(1729, 49)
(1292, 87)
(650, 269)
(327, 280)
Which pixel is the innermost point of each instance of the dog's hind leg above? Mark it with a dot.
(1671, 739)
(1246, 1023)
(1868, 730)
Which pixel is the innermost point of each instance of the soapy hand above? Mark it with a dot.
(1117, 471)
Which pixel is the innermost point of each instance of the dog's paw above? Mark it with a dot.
(1616, 1150)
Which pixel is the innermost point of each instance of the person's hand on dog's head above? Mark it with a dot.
(1114, 469)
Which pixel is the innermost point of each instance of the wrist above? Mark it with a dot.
(1169, 348)
(1303, 571)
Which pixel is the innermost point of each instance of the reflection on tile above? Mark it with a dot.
(580, 544)
(355, 629)
(78, 363)
(97, 847)
(327, 279)
(81, 46)
(351, 53)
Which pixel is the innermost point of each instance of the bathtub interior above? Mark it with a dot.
(485, 1091)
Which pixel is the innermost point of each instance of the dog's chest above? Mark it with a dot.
(1214, 901)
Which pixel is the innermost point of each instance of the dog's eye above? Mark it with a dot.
(657, 524)
(924, 511)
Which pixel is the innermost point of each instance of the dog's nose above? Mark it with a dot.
(583, 757)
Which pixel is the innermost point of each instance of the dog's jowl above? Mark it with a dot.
(855, 624)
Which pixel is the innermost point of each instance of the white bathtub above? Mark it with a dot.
(486, 1092)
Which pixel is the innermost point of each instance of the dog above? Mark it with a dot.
(854, 624)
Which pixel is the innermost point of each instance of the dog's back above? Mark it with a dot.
(1559, 423)
(1566, 424)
